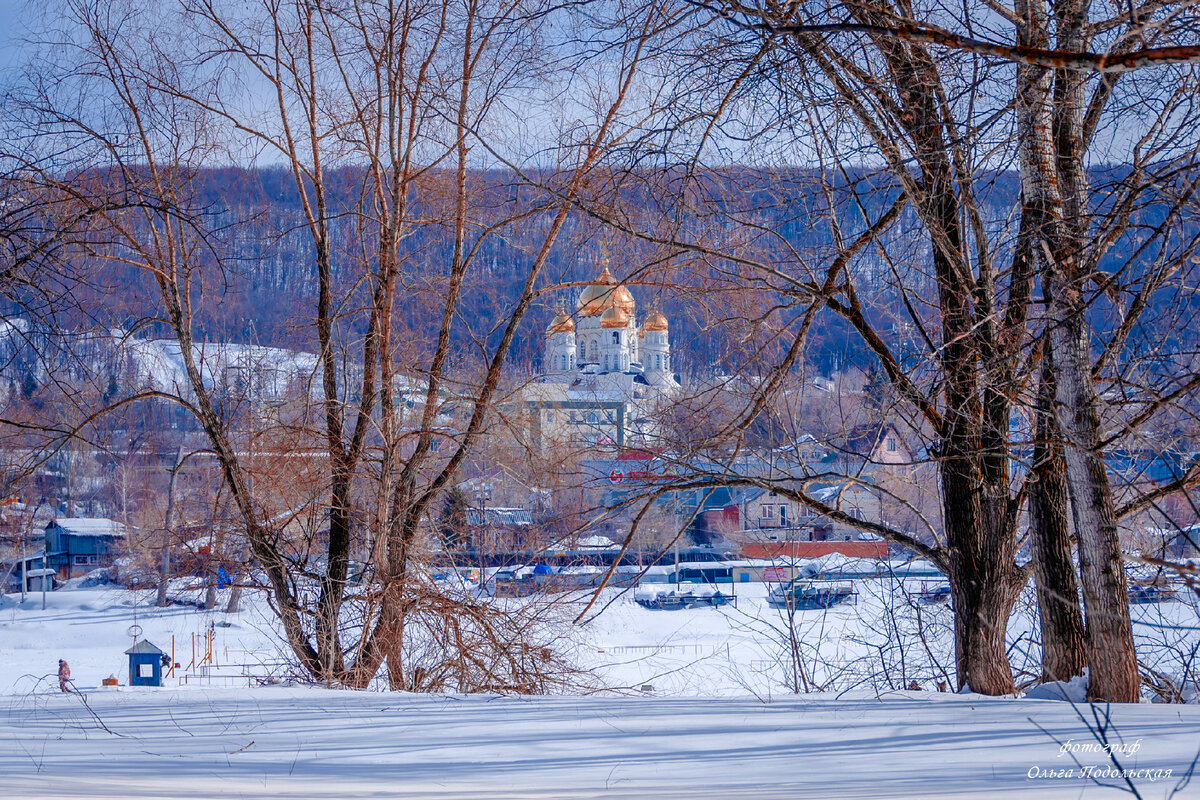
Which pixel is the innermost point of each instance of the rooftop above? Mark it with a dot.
(90, 526)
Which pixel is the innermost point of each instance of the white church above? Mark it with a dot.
(604, 376)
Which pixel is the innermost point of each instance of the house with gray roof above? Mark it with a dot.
(77, 545)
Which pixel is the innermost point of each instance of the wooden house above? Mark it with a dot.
(77, 545)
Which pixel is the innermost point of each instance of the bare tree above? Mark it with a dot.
(379, 113)
(969, 306)
(925, 99)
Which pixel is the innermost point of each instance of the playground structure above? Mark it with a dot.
(206, 669)
(200, 660)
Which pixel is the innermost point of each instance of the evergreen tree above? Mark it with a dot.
(452, 523)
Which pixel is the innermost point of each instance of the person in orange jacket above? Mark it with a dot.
(64, 675)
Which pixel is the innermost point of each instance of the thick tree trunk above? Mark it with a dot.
(1049, 125)
(982, 581)
(973, 429)
(1112, 661)
(1064, 644)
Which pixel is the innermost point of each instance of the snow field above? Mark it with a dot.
(700, 707)
(316, 743)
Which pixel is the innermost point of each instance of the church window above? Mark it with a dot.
(616, 337)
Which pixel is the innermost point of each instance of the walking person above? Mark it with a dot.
(64, 675)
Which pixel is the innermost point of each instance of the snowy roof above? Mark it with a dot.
(583, 569)
(499, 517)
(142, 646)
(596, 542)
(160, 363)
(915, 566)
(90, 526)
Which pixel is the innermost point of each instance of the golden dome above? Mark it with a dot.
(605, 294)
(561, 324)
(614, 317)
(655, 322)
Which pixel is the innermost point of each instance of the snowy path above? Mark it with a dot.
(313, 743)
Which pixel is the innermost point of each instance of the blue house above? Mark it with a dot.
(76, 545)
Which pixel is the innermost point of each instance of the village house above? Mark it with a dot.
(77, 545)
(770, 516)
(866, 448)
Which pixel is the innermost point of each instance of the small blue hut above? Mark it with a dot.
(145, 664)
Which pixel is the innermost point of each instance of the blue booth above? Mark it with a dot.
(145, 664)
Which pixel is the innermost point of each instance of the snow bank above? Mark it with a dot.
(90, 580)
(1072, 691)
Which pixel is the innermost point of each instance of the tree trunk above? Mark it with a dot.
(210, 592)
(1063, 637)
(981, 584)
(235, 599)
(235, 589)
(1112, 661)
(972, 432)
(1049, 124)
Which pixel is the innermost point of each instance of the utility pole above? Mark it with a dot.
(676, 561)
(24, 552)
(24, 568)
(678, 533)
(44, 575)
(164, 571)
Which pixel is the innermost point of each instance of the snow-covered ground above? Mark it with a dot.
(315, 743)
(701, 709)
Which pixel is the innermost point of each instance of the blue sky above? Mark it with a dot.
(10, 29)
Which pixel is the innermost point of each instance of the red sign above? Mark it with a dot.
(615, 476)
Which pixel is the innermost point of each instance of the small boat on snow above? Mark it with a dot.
(802, 594)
